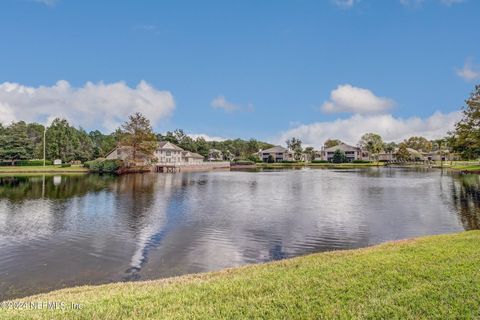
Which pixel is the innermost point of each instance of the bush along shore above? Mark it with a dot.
(435, 277)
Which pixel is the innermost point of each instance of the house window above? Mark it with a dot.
(169, 153)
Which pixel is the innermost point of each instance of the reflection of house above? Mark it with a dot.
(215, 155)
(351, 152)
(166, 153)
(276, 154)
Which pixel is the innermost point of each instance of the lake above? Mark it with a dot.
(61, 231)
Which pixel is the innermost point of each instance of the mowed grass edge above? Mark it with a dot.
(435, 277)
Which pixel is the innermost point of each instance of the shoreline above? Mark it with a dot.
(392, 278)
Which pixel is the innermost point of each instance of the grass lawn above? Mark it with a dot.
(434, 277)
(473, 167)
(41, 169)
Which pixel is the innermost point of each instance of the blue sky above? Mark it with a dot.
(264, 69)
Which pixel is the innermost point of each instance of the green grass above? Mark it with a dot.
(434, 277)
(473, 167)
(42, 169)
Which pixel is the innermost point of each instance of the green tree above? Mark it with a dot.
(339, 157)
(466, 136)
(62, 141)
(310, 153)
(419, 143)
(389, 147)
(295, 145)
(138, 134)
(14, 143)
(402, 153)
(371, 142)
(332, 143)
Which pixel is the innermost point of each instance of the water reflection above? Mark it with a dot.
(68, 230)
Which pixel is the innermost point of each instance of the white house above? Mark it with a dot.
(166, 153)
(351, 152)
(277, 154)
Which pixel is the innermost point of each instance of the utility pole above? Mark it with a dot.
(44, 143)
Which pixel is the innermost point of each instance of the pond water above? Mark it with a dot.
(59, 231)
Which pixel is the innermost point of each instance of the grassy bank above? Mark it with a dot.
(42, 169)
(467, 168)
(431, 277)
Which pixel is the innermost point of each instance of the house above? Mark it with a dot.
(275, 154)
(415, 155)
(125, 153)
(166, 153)
(438, 155)
(351, 152)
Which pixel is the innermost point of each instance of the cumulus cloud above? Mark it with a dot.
(206, 137)
(389, 127)
(346, 4)
(470, 71)
(49, 3)
(95, 105)
(418, 3)
(347, 98)
(221, 102)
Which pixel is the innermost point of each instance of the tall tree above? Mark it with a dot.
(310, 153)
(419, 143)
(402, 153)
(62, 141)
(14, 143)
(138, 134)
(295, 145)
(466, 136)
(389, 147)
(371, 142)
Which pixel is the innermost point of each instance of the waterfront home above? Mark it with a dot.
(351, 152)
(275, 154)
(125, 153)
(443, 155)
(415, 155)
(166, 153)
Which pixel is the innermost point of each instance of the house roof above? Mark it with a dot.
(167, 145)
(188, 154)
(275, 150)
(341, 146)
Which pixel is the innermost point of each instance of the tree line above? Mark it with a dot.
(24, 141)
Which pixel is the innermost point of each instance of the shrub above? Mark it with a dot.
(104, 165)
(288, 161)
(319, 161)
(254, 158)
(66, 165)
(25, 163)
(361, 161)
(244, 162)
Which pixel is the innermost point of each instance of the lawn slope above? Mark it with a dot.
(434, 277)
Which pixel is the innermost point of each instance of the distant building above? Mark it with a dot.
(351, 152)
(166, 153)
(415, 155)
(276, 154)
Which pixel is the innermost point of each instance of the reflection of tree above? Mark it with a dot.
(20, 188)
(466, 198)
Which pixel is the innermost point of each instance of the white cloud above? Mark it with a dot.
(206, 137)
(347, 98)
(390, 128)
(470, 71)
(418, 3)
(221, 102)
(346, 4)
(49, 3)
(95, 105)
